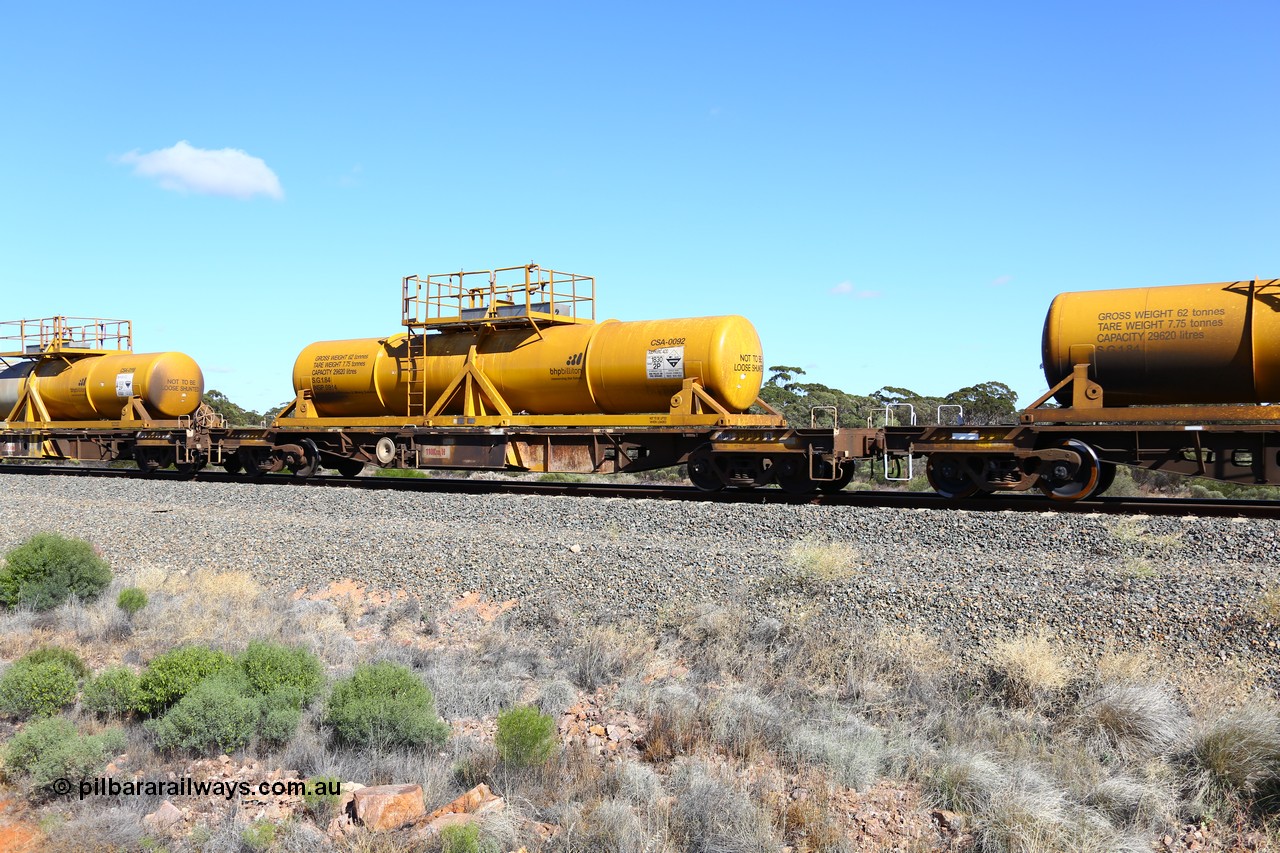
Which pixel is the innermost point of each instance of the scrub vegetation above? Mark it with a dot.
(48, 569)
(709, 729)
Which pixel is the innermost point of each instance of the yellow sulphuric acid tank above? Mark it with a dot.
(591, 368)
(1193, 343)
(99, 387)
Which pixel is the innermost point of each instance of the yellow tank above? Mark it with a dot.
(602, 368)
(98, 387)
(1194, 343)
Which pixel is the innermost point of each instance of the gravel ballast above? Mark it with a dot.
(1195, 588)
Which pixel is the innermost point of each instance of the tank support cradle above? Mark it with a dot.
(1088, 406)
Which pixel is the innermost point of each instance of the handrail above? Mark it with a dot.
(59, 334)
(533, 295)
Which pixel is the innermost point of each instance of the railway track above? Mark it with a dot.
(873, 498)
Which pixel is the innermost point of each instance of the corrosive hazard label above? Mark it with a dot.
(665, 363)
(124, 384)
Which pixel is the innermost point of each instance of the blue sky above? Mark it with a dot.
(893, 193)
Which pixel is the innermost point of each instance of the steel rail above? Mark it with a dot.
(872, 498)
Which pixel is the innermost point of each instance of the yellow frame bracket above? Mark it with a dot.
(134, 411)
(693, 399)
(300, 407)
(476, 388)
(29, 407)
(1085, 393)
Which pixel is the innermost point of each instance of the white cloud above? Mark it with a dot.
(1001, 280)
(226, 171)
(846, 288)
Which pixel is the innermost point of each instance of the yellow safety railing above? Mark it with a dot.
(503, 296)
(62, 334)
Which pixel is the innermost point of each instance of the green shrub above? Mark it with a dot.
(269, 666)
(51, 749)
(39, 738)
(219, 714)
(261, 692)
(171, 675)
(131, 600)
(279, 725)
(321, 796)
(260, 836)
(112, 692)
(47, 569)
(525, 737)
(382, 705)
(39, 689)
(281, 712)
(57, 654)
(460, 838)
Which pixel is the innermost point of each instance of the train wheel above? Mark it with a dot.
(1060, 485)
(946, 474)
(151, 459)
(309, 464)
(349, 467)
(791, 473)
(231, 464)
(703, 473)
(847, 470)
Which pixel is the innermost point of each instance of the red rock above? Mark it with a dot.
(339, 826)
(388, 806)
(437, 825)
(478, 799)
(164, 818)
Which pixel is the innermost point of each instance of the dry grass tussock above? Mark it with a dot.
(1136, 721)
(1123, 665)
(1029, 670)
(1235, 758)
(205, 606)
(813, 562)
(1269, 603)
